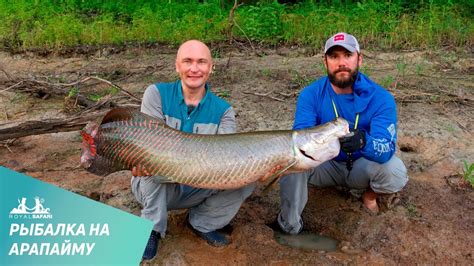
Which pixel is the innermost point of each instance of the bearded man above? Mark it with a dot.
(366, 164)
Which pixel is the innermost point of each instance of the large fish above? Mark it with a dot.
(125, 139)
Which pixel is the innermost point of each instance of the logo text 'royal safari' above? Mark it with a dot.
(38, 211)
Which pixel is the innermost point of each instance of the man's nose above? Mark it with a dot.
(342, 62)
(194, 67)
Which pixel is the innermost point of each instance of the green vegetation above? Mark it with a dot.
(468, 173)
(435, 99)
(301, 80)
(55, 24)
(223, 93)
(266, 72)
(401, 68)
(387, 81)
(419, 68)
(96, 96)
(366, 70)
(73, 92)
(412, 211)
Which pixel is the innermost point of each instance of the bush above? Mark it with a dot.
(377, 24)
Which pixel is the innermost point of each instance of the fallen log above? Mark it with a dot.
(37, 127)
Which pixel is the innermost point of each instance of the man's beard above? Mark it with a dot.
(346, 82)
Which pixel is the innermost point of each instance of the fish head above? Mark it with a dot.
(317, 145)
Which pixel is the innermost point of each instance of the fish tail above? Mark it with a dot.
(89, 145)
(88, 142)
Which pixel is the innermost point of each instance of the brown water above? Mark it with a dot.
(307, 240)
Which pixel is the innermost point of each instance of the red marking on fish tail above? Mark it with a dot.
(89, 140)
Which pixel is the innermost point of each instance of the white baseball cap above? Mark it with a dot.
(342, 39)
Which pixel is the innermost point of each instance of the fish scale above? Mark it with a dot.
(126, 139)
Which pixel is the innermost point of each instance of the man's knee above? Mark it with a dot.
(135, 186)
(295, 180)
(145, 189)
(389, 177)
(227, 198)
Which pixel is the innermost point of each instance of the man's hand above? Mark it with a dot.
(354, 141)
(140, 171)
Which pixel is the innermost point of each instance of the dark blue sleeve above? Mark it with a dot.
(382, 136)
(306, 111)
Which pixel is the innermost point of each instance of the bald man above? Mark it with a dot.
(188, 105)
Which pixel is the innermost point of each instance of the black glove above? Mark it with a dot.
(354, 141)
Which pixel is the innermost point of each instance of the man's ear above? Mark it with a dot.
(360, 59)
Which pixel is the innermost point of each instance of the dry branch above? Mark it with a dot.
(44, 88)
(231, 21)
(6, 73)
(412, 93)
(89, 78)
(11, 130)
(291, 94)
(12, 86)
(37, 127)
(7, 143)
(264, 95)
(246, 37)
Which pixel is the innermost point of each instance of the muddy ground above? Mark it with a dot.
(434, 224)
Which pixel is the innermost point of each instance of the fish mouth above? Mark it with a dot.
(307, 155)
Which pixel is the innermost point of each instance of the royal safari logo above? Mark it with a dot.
(38, 211)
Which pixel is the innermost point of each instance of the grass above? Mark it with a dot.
(419, 69)
(367, 70)
(54, 24)
(223, 93)
(435, 99)
(301, 80)
(387, 81)
(73, 92)
(412, 211)
(401, 68)
(447, 126)
(468, 173)
(266, 72)
(96, 96)
(216, 54)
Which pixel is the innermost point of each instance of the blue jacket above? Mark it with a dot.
(376, 108)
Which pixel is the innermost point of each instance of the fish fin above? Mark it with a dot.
(124, 114)
(275, 177)
(118, 114)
